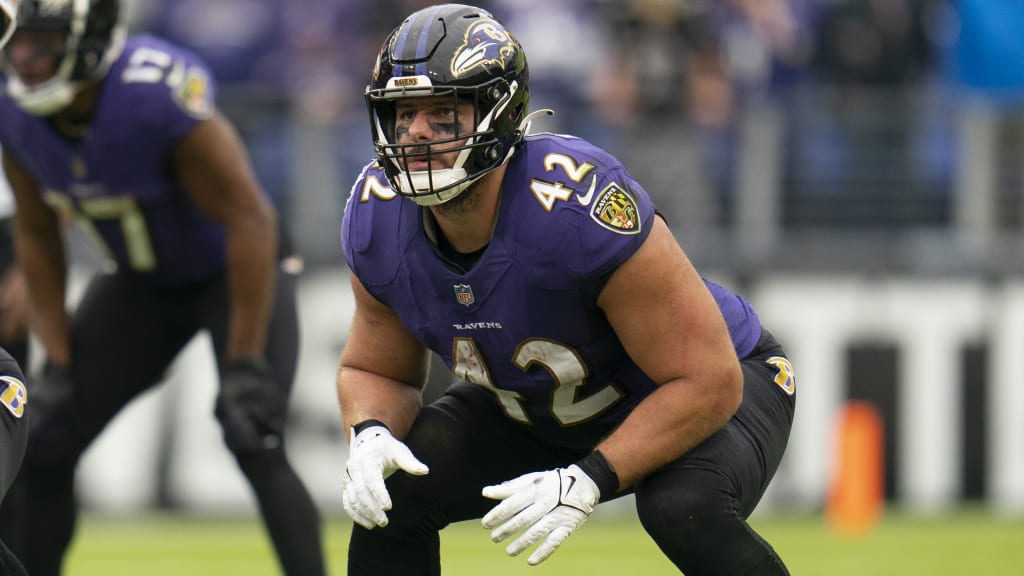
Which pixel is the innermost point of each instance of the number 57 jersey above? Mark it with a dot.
(523, 321)
(118, 179)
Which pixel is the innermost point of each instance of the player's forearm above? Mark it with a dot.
(365, 396)
(673, 419)
(44, 267)
(252, 256)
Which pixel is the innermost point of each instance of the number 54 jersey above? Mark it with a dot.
(523, 321)
(118, 180)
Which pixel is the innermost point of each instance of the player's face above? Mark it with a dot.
(433, 119)
(34, 54)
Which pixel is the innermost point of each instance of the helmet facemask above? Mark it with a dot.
(94, 39)
(477, 152)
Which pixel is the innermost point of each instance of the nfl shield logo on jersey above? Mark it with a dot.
(464, 294)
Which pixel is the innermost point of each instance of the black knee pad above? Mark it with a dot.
(251, 409)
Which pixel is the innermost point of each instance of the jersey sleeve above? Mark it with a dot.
(585, 235)
(370, 226)
(166, 87)
(614, 226)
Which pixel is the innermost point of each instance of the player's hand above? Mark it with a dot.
(50, 392)
(374, 455)
(251, 407)
(549, 505)
(50, 405)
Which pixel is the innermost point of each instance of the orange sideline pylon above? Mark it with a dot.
(856, 498)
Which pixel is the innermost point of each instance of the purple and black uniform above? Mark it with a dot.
(118, 181)
(170, 282)
(523, 322)
(542, 376)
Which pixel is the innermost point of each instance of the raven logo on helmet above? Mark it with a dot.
(486, 43)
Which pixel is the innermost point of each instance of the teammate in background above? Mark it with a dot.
(594, 360)
(123, 135)
(13, 330)
(14, 333)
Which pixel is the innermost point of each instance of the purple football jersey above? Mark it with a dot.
(523, 322)
(118, 181)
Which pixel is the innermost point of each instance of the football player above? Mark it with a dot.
(593, 360)
(123, 136)
(13, 334)
(13, 295)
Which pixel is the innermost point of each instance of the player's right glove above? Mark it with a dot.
(374, 455)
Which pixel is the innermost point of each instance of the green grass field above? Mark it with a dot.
(966, 543)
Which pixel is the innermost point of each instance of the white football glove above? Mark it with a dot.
(550, 505)
(374, 454)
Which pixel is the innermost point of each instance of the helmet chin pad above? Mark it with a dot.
(45, 99)
(433, 187)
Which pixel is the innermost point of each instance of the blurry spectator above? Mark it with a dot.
(863, 141)
(662, 73)
(664, 61)
(875, 42)
(562, 84)
(768, 44)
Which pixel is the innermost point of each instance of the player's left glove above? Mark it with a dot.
(549, 505)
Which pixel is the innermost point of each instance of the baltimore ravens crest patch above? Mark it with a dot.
(616, 210)
(464, 294)
(194, 94)
(13, 395)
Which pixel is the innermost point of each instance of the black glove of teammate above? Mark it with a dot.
(50, 390)
(50, 404)
(251, 407)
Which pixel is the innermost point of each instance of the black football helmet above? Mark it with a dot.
(463, 53)
(95, 38)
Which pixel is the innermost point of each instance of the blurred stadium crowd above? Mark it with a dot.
(866, 133)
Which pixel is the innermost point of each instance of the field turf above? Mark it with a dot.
(968, 542)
